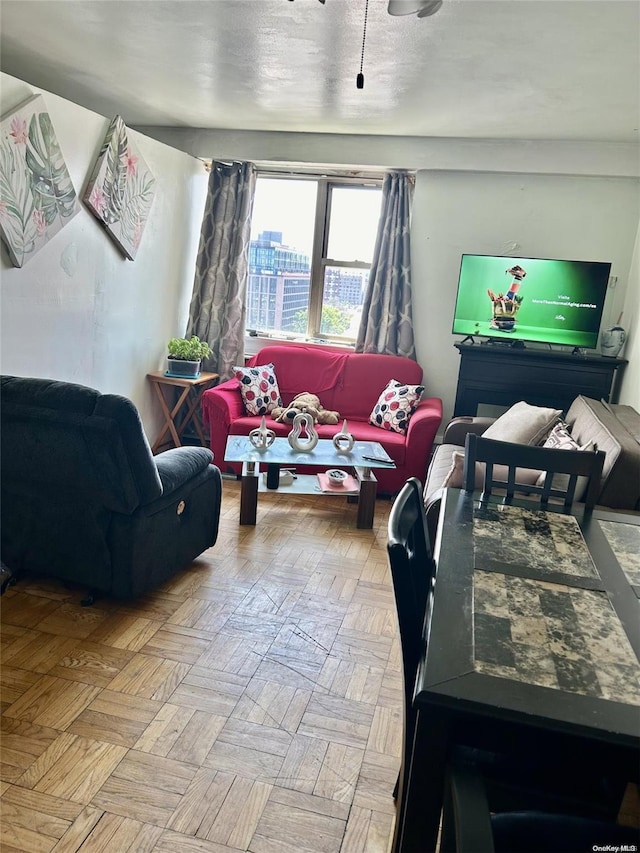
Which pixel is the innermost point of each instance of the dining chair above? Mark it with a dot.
(471, 822)
(553, 462)
(413, 574)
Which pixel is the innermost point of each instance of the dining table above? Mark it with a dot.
(532, 647)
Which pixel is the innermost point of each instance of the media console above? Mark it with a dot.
(502, 375)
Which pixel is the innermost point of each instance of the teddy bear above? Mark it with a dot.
(309, 403)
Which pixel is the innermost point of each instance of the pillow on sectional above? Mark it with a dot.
(560, 438)
(259, 388)
(523, 424)
(395, 406)
(455, 477)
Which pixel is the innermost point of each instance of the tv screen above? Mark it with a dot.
(531, 299)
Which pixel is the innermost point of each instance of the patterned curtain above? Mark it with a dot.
(386, 326)
(217, 311)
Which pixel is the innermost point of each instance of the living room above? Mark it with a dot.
(131, 725)
(88, 315)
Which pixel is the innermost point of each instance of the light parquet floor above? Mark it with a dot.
(253, 703)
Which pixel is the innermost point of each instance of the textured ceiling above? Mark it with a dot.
(510, 69)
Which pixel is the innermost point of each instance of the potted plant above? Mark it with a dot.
(185, 356)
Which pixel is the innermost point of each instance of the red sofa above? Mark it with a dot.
(344, 381)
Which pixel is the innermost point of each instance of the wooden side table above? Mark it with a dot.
(187, 405)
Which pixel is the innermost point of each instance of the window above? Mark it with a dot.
(312, 242)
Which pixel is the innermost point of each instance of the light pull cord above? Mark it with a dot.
(360, 77)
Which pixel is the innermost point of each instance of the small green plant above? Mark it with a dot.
(188, 349)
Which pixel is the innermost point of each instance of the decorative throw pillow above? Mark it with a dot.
(523, 424)
(395, 406)
(560, 438)
(455, 477)
(259, 388)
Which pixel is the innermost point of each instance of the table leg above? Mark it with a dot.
(168, 416)
(191, 414)
(366, 498)
(249, 493)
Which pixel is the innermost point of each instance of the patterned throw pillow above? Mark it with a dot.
(561, 439)
(395, 406)
(259, 388)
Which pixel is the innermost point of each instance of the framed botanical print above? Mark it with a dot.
(121, 189)
(37, 198)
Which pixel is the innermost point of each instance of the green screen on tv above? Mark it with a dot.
(531, 299)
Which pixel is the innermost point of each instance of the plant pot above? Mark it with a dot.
(184, 368)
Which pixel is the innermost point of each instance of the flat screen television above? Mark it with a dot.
(531, 299)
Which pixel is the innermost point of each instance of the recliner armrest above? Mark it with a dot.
(180, 464)
(456, 430)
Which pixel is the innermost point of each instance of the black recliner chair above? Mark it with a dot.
(84, 500)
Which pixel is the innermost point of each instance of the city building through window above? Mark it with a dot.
(312, 242)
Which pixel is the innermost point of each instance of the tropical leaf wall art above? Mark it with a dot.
(37, 198)
(121, 189)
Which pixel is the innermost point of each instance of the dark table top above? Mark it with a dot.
(536, 619)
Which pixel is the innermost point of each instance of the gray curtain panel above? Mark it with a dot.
(217, 311)
(387, 326)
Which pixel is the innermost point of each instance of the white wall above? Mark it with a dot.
(613, 159)
(548, 216)
(630, 392)
(78, 310)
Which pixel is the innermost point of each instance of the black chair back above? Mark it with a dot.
(413, 575)
(572, 463)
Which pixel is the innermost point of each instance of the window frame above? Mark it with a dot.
(319, 260)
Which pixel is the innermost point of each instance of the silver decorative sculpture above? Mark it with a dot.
(343, 441)
(262, 438)
(303, 422)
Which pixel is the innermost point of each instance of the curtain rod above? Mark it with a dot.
(318, 170)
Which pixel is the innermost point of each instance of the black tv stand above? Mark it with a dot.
(501, 376)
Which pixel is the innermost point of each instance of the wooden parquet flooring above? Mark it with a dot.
(253, 703)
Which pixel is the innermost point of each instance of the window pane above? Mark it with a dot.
(342, 300)
(355, 212)
(280, 254)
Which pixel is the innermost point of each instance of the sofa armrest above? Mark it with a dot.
(421, 432)
(222, 404)
(424, 422)
(456, 430)
(179, 465)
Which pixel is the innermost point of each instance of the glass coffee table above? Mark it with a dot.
(365, 456)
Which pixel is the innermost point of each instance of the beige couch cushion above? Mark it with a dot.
(455, 475)
(523, 424)
(593, 420)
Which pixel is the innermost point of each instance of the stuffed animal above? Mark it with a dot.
(308, 403)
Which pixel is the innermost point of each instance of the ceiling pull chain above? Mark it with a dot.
(360, 77)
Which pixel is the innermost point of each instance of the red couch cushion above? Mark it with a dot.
(366, 376)
(301, 368)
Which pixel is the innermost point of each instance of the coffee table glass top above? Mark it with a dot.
(365, 454)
